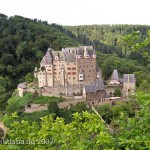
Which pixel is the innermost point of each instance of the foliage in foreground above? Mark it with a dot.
(86, 131)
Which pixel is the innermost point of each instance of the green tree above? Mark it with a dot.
(29, 78)
(117, 92)
(53, 108)
(86, 131)
(22, 49)
(144, 87)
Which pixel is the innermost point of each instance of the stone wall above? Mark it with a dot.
(35, 107)
(96, 96)
(63, 90)
(21, 92)
(128, 89)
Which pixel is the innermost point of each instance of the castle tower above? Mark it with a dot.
(86, 53)
(129, 85)
(114, 78)
(62, 75)
(45, 75)
(94, 54)
(99, 73)
(35, 72)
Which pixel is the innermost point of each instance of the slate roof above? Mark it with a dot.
(47, 59)
(60, 54)
(90, 88)
(67, 54)
(22, 86)
(129, 78)
(115, 75)
(70, 57)
(99, 85)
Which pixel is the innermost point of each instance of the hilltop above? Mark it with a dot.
(24, 41)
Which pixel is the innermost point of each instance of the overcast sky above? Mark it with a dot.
(80, 12)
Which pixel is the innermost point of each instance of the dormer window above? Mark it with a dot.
(94, 56)
(56, 57)
(87, 56)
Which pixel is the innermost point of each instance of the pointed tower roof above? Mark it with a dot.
(115, 75)
(94, 52)
(47, 59)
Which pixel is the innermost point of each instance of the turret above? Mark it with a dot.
(94, 54)
(35, 72)
(86, 53)
(56, 56)
(47, 59)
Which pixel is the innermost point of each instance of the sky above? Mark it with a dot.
(80, 12)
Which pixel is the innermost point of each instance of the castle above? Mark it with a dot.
(68, 67)
(127, 84)
(74, 71)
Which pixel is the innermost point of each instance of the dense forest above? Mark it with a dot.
(109, 38)
(23, 43)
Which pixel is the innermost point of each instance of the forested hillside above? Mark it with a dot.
(109, 38)
(122, 125)
(23, 43)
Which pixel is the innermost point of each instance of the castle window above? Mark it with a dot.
(73, 73)
(55, 72)
(67, 63)
(54, 68)
(89, 70)
(69, 68)
(73, 78)
(69, 73)
(49, 66)
(48, 70)
(74, 68)
(74, 63)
